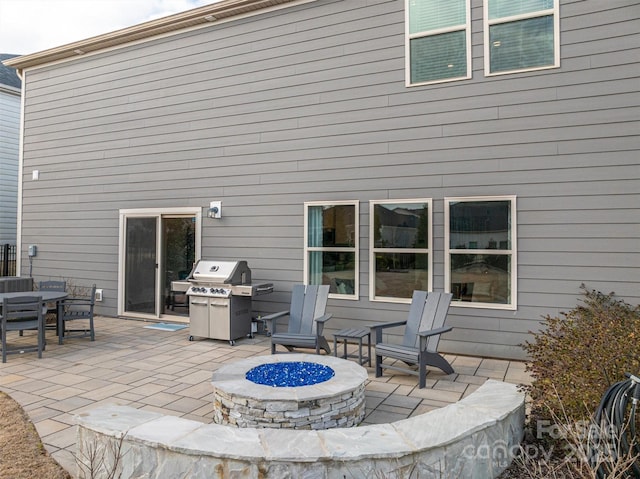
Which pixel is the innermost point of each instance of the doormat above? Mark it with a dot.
(166, 327)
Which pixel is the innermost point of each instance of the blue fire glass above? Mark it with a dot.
(290, 374)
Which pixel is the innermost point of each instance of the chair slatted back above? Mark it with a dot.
(21, 312)
(307, 303)
(437, 317)
(432, 315)
(81, 307)
(414, 318)
(52, 286)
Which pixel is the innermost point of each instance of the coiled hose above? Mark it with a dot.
(615, 437)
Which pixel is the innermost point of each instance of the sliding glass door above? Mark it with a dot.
(157, 249)
(141, 265)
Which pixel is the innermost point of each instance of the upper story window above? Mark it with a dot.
(480, 251)
(438, 41)
(331, 246)
(521, 35)
(400, 253)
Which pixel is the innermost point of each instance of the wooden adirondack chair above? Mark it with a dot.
(424, 326)
(306, 320)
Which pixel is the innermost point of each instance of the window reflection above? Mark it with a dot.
(439, 40)
(331, 246)
(522, 44)
(480, 225)
(481, 278)
(400, 245)
(481, 250)
(520, 35)
(332, 225)
(336, 269)
(401, 225)
(399, 274)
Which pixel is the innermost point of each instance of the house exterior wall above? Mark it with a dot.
(309, 103)
(9, 144)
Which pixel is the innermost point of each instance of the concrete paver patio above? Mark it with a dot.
(163, 371)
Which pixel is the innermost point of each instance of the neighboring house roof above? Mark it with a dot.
(191, 18)
(8, 76)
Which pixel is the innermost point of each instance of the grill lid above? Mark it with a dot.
(221, 272)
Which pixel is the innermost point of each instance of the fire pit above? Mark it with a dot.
(290, 374)
(294, 391)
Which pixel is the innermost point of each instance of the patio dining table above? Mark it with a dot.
(47, 297)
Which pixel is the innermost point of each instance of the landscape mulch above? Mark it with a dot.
(22, 454)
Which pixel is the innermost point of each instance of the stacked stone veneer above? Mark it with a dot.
(473, 438)
(345, 410)
(338, 402)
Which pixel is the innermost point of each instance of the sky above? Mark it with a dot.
(30, 26)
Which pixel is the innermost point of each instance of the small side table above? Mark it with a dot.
(352, 335)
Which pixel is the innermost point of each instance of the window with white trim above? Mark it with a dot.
(480, 251)
(521, 35)
(438, 41)
(400, 249)
(331, 246)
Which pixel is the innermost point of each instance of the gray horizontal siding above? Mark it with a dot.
(9, 144)
(309, 103)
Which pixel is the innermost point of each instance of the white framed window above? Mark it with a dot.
(400, 259)
(480, 251)
(331, 246)
(438, 41)
(521, 35)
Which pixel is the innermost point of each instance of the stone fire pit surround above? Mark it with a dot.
(336, 402)
(474, 437)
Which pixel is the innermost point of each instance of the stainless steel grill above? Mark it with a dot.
(220, 299)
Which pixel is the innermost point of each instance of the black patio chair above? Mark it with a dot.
(20, 314)
(74, 309)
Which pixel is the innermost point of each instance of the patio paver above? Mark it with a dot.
(164, 372)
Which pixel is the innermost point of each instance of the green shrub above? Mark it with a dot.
(578, 355)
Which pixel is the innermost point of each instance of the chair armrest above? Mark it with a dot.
(321, 320)
(377, 329)
(433, 332)
(388, 325)
(270, 319)
(272, 316)
(76, 301)
(324, 318)
(424, 335)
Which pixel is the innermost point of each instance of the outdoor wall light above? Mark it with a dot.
(215, 209)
